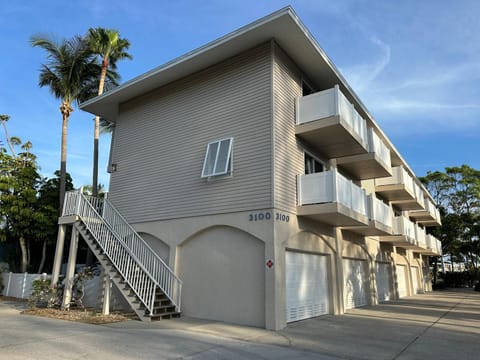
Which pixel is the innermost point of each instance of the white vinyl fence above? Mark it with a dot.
(20, 286)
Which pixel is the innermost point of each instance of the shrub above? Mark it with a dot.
(42, 294)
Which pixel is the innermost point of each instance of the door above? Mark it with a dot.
(355, 283)
(402, 281)
(414, 275)
(306, 285)
(382, 275)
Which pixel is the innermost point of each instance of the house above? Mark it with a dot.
(255, 173)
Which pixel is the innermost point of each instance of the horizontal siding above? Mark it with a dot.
(161, 140)
(288, 153)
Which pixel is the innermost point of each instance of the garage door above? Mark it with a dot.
(382, 276)
(414, 275)
(354, 275)
(402, 280)
(307, 285)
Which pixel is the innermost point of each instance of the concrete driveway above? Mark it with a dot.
(440, 325)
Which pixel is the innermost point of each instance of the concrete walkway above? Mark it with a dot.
(440, 325)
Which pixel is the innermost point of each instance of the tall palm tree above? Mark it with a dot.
(107, 44)
(70, 70)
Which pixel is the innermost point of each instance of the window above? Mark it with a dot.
(312, 165)
(218, 159)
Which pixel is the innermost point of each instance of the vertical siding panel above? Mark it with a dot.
(161, 140)
(288, 153)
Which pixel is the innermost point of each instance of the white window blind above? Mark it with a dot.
(218, 158)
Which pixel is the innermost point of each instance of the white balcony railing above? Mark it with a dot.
(434, 244)
(421, 237)
(377, 146)
(331, 187)
(399, 176)
(419, 194)
(327, 103)
(379, 211)
(403, 226)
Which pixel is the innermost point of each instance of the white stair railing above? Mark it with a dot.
(142, 269)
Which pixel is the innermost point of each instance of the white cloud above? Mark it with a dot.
(362, 76)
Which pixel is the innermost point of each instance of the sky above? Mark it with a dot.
(415, 64)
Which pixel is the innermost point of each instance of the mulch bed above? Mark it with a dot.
(79, 315)
(88, 316)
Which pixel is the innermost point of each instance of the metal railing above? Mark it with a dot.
(379, 211)
(331, 187)
(331, 102)
(142, 269)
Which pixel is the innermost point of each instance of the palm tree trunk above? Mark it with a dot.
(96, 132)
(65, 109)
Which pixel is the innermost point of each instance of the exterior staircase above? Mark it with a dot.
(147, 283)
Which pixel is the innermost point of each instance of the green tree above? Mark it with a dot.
(457, 192)
(19, 213)
(70, 72)
(48, 199)
(107, 44)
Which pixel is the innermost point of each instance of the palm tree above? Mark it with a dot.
(107, 44)
(69, 70)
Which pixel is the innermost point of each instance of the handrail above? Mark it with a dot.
(141, 267)
(138, 246)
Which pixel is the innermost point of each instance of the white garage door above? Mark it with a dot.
(354, 276)
(307, 285)
(414, 275)
(402, 280)
(382, 276)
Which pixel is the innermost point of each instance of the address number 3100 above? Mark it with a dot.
(261, 216)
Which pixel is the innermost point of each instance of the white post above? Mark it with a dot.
(8, 284)
(106, 294)
(70, 276)
(23, 284)
(77, 201)
(57, 262)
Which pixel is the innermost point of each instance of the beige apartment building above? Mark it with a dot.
(256, 175)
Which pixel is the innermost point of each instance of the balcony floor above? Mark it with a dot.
(399, 196)
(333, 214)
(364, 166)
(374, 229)
(331, 137)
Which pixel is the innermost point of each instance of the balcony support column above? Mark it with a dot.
(57, 262)
(339, 306)
(70, 276)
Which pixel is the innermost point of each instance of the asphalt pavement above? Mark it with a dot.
(438, 325)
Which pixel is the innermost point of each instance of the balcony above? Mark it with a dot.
(374, 164)
(403, 235)
(328, 122)
(400, 190)
(434, 246)
(332, 199)
(420, 237)
(380, 217)
(430, 216)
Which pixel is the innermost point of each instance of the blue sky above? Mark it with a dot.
(415, 65)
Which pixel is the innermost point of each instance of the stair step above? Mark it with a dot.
(166, 316)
